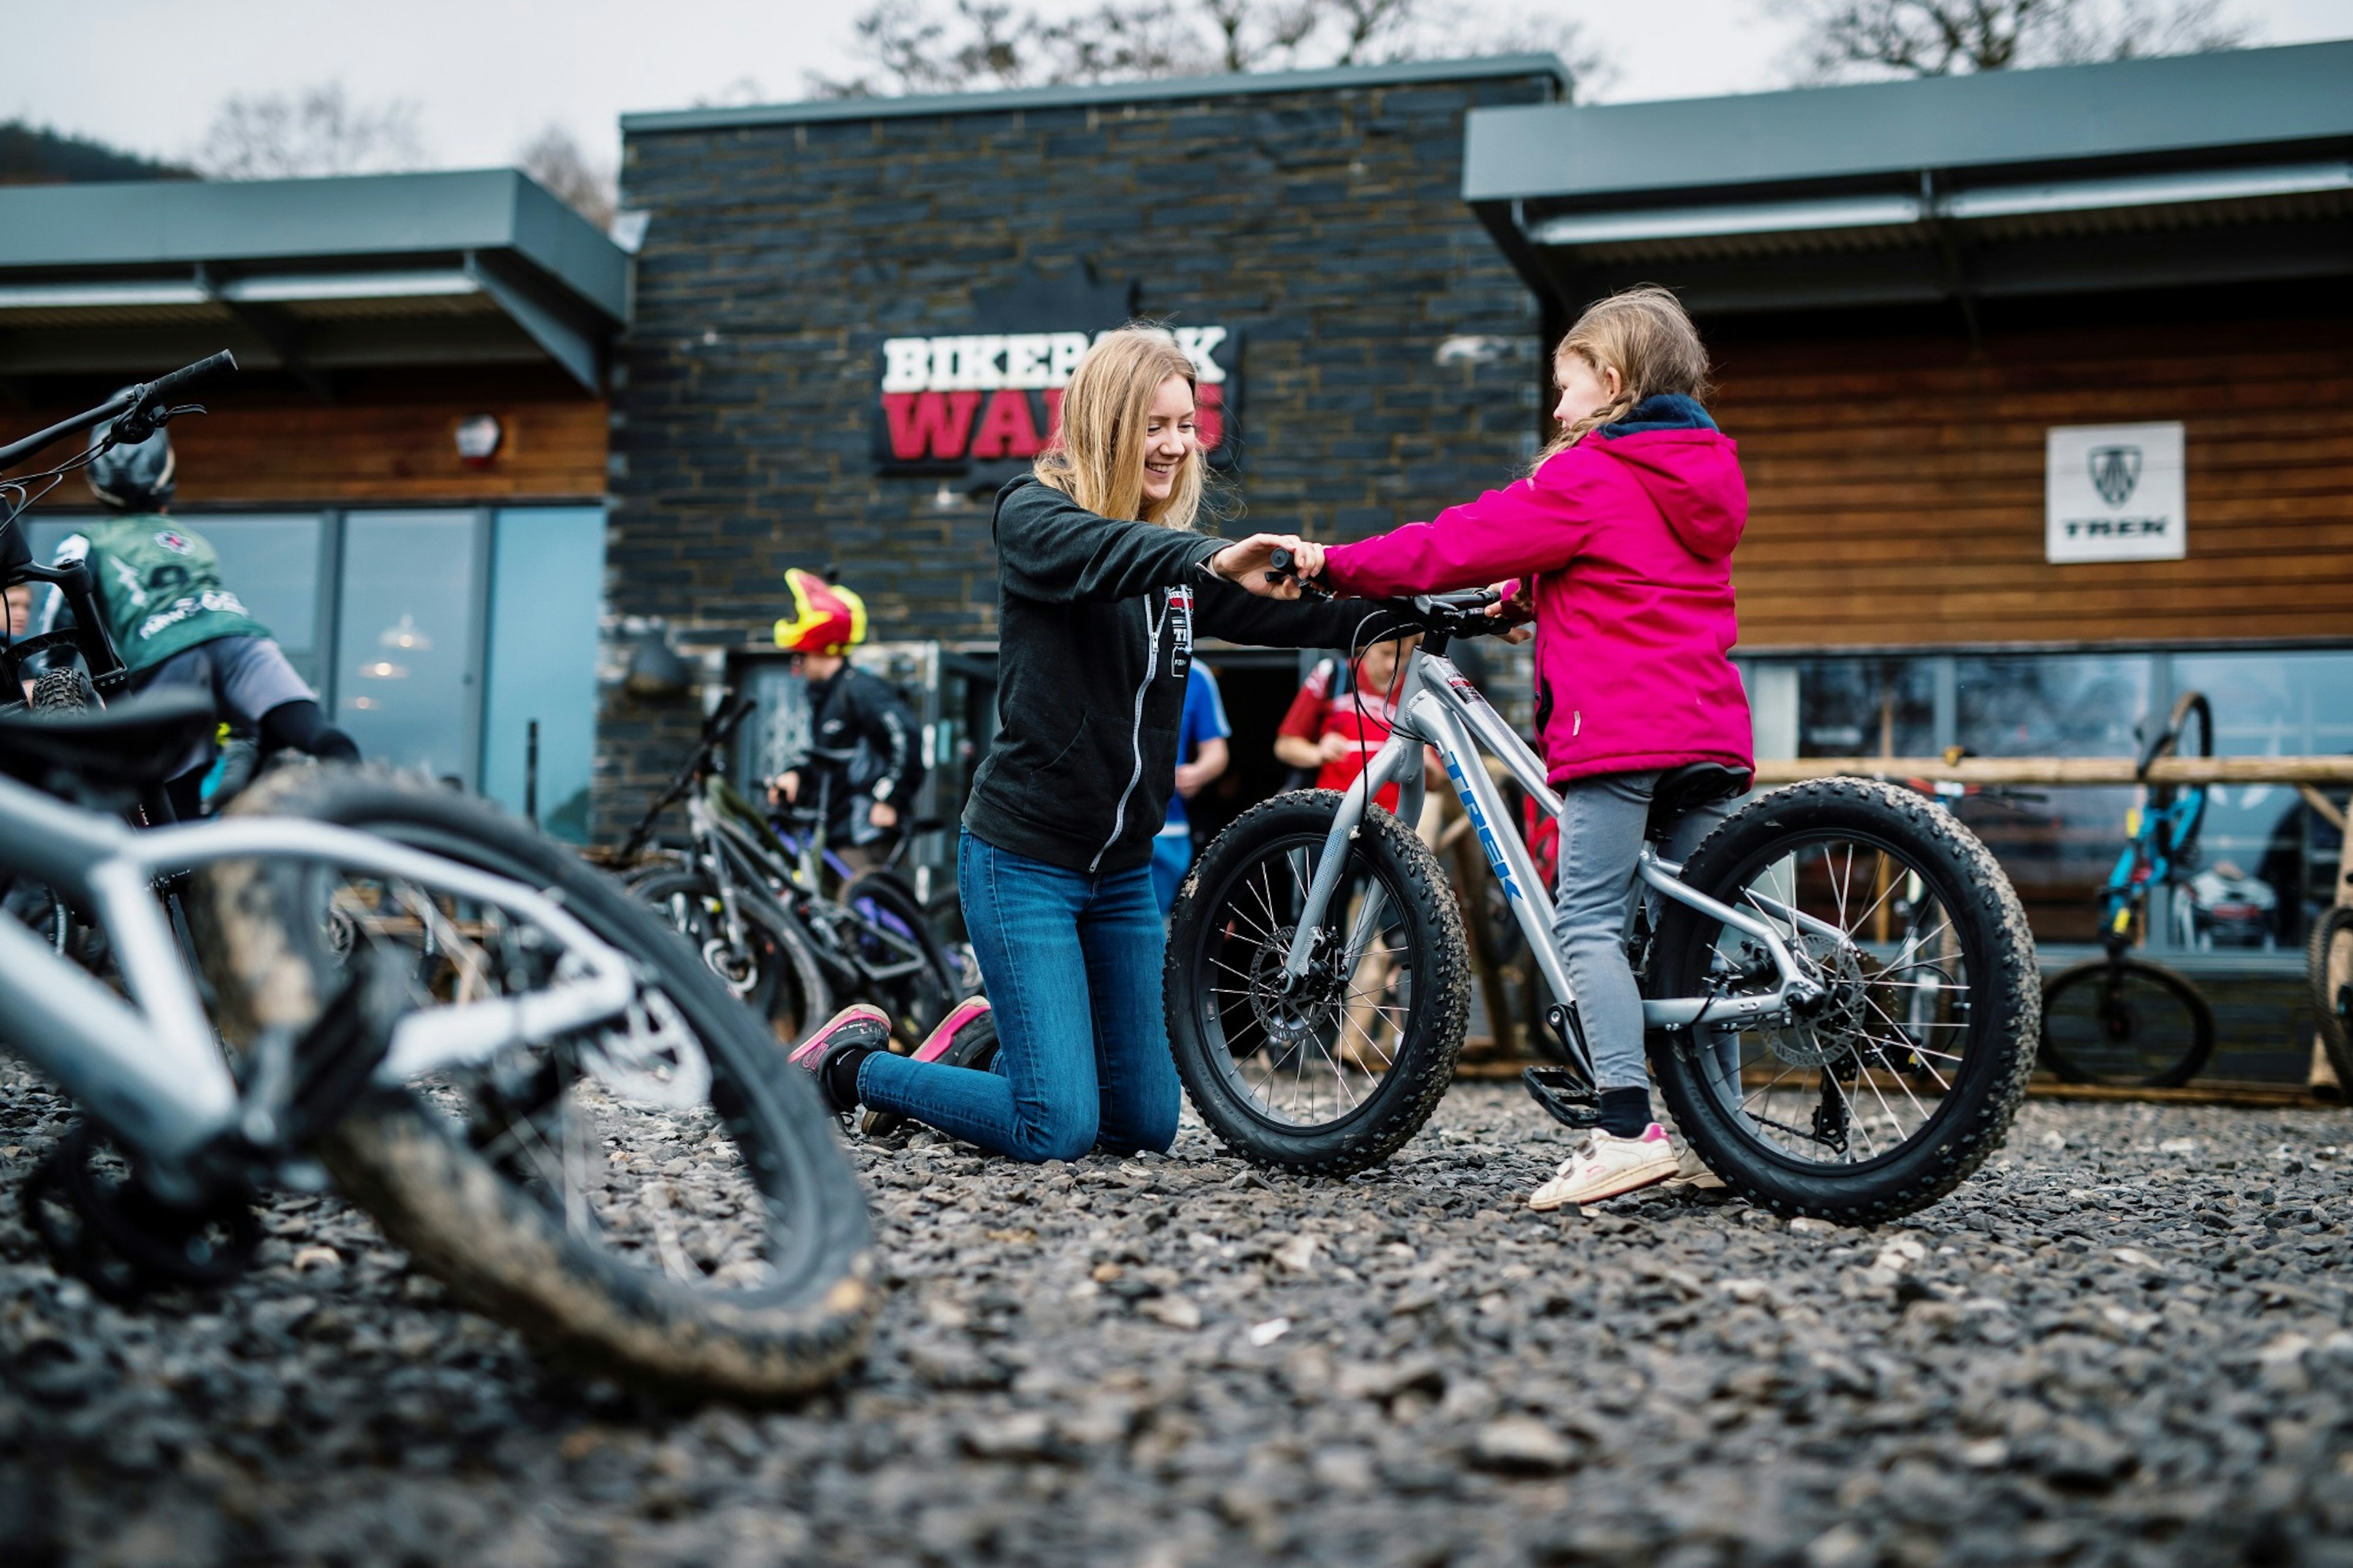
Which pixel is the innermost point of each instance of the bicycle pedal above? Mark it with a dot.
(1564, 1099)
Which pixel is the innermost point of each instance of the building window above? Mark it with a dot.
(2262, 843)
(547, 575)
(406, 661)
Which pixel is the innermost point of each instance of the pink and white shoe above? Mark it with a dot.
(1608, 1167)
(967, 1037)
(858, 1027)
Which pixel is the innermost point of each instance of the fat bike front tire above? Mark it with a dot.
(1908, 1077)
(1333, 1075)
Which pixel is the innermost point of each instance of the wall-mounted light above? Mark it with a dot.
(478, 439)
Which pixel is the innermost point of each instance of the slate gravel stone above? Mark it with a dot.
(2127, 1340)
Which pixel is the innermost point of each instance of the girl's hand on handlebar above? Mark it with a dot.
(1516, 609)
(1247, 563)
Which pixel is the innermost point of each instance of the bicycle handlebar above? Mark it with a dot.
(139, 408)
(1462, 613)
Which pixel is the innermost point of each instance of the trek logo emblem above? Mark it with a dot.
(1487, 840)
(2116, 471)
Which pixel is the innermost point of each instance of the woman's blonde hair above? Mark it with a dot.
(1096, 457)
(1644, 336)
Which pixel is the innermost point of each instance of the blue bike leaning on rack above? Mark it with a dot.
(2125, 1021)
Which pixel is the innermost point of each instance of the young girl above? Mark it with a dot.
(1102, 585)
(1623, 534)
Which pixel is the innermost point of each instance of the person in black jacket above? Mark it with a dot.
(865, 756)
(1103, 585)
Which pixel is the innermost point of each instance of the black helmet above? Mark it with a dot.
(131, 477)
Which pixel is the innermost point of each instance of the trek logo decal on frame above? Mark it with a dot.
(1487, 840)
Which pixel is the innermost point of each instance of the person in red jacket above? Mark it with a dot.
(1335, 733)
(1622, 536)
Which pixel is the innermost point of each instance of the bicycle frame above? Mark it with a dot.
(1440, 708)
(150, 1068)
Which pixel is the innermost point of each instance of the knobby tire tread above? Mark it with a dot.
(2016, 992)
(495, 1247)
(1446, 971)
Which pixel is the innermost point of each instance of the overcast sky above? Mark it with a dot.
(485, 75)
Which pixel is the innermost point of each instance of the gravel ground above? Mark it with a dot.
(2127, 1340)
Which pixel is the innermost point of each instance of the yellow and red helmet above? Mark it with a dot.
(826, 618)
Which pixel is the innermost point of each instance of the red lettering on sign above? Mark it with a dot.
(1210, 414)
(1006, 431)
(1053, 414)
(929, 424)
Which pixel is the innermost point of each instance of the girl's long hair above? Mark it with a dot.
(1644, 335)
(1096, 457)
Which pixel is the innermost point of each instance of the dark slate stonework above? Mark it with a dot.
(1323, 226)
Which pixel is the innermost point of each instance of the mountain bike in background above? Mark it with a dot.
(2119, 1019)
(1839, 984)
(756, 908)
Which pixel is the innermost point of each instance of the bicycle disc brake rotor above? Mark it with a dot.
(651, 1056)
(1829, 1037)
(1290, 1021)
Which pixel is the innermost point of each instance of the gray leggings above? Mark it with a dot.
(1601, 822)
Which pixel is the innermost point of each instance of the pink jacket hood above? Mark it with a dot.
(1694, 478)
(1627, 539)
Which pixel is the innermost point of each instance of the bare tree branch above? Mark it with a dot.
(582, 184)
(277, 136)
(948, 45)
(1851, 39)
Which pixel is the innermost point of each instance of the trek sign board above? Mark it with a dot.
(947, 404)
(2114, 492)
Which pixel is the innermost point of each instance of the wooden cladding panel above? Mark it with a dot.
(355, 454)
(1896, 486)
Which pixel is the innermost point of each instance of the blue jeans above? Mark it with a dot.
(1073, 970)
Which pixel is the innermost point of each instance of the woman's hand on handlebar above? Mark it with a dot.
(1249, 563)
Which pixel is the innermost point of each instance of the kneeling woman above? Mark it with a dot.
(1101, 584)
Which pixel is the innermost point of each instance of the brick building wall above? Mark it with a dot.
(1388, 361)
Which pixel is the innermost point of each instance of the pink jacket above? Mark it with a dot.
(1628, 536)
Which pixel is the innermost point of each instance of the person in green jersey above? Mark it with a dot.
(158, 584)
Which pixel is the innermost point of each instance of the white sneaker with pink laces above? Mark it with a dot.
(1608, 1166)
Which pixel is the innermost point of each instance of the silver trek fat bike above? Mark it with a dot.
(1840, 993)
(354, 976)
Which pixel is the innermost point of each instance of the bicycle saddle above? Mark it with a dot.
(1680, 790)
(137, 742)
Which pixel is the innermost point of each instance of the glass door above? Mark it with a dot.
(407, 657)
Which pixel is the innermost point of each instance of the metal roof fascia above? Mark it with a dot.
(181, 222)
(1007, 101)
(2148, 191)
(1695, 223)
(100, 296)
(2181, 103)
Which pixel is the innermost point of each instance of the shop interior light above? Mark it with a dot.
(403, 633)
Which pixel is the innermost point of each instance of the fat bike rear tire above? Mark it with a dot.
(1337, 1075)
(1921, 1058)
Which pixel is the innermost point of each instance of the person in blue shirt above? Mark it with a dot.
(1201, 736)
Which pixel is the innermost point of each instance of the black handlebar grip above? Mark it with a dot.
(1279, 563)
(165, 386)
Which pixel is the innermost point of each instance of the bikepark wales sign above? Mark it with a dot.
(2114, 492)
